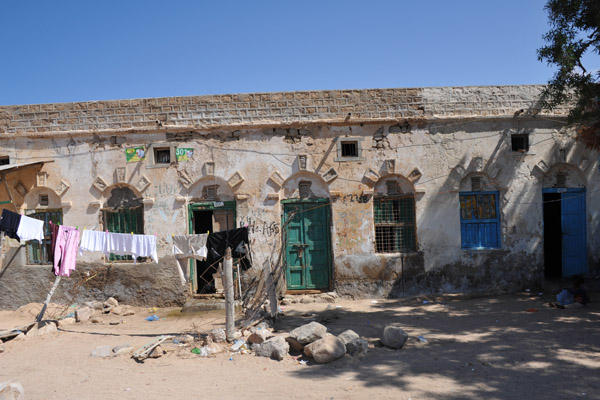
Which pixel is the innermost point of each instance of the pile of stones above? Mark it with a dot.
(93, 310)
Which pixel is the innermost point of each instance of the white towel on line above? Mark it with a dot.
(30, 229)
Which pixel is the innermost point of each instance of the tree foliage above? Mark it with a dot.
(574, 32)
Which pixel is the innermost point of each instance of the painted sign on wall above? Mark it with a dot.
(135, 154)
(184, 154)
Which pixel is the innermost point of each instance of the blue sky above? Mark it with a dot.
(63, 51)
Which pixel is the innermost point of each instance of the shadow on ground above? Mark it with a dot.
(490, 347)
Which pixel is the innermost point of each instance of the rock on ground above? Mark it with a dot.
(295, 345)
(101, 351)
(112, 302)
(394, 337)
(118, 310)
(327, 298)
(255, 338)
(11, 391)
(218, 335)
(326, 350)
(122, 349)
(348, 336)
(1, 348)
(66, 321)
(21, 336)
(82, 314)
(157, 352)
(309, 333)
(357, 347)
(42, 328)
(275, 348)
(94, 305)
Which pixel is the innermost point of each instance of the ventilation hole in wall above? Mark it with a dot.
(304, 189)
(476, 183)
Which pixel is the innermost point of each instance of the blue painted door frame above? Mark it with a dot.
(574, 237)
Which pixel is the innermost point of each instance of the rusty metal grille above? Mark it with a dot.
(395, 224)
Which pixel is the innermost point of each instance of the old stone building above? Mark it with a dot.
(370, 192)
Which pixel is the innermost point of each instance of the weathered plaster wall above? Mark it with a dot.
(257, 165)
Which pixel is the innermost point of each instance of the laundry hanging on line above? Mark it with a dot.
(120, 244)
(190, 246)
(9, 223)
(186, 247)
(30, 229)
(64, 244)
(236, 239)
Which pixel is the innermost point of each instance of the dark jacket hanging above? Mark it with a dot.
(9, 223)
(236, 239)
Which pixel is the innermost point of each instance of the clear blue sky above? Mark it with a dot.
(77, 50)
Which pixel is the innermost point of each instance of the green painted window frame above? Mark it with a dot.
(129, 220)
(38, 253)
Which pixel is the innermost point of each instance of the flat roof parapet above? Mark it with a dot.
(247, 110)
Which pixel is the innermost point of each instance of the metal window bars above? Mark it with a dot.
(395, 224)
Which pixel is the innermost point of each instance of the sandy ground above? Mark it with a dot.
(490, 347)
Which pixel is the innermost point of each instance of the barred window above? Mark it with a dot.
(41, 252)
(395, 228)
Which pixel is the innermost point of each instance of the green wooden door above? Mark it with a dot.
(307, 245)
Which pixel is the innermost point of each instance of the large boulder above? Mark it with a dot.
(348, 336)
(275, 348)
(326, 350)
(308, 333)
(394, 337)
(355, 346)
(295, 345)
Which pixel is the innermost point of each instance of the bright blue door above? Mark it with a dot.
(574, 257)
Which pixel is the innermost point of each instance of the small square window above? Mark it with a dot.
(162, 155)
(43, 199)
(561, 180)
(520, 143)
(4, 160)
(349, 149)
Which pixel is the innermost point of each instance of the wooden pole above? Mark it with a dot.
(229, 302)
(271, 291)
(9, 193)
(41, 314)
(1, 249)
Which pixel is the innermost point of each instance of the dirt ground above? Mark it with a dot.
(482, 347)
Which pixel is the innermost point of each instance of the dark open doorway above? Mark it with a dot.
(552, 235)
(206, 218)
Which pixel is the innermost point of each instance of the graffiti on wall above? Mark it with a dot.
(258, 226)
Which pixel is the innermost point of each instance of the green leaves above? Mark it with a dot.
(574, 33)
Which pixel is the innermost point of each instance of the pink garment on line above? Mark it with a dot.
(65, 250)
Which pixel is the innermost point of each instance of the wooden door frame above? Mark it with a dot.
(316, 200)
